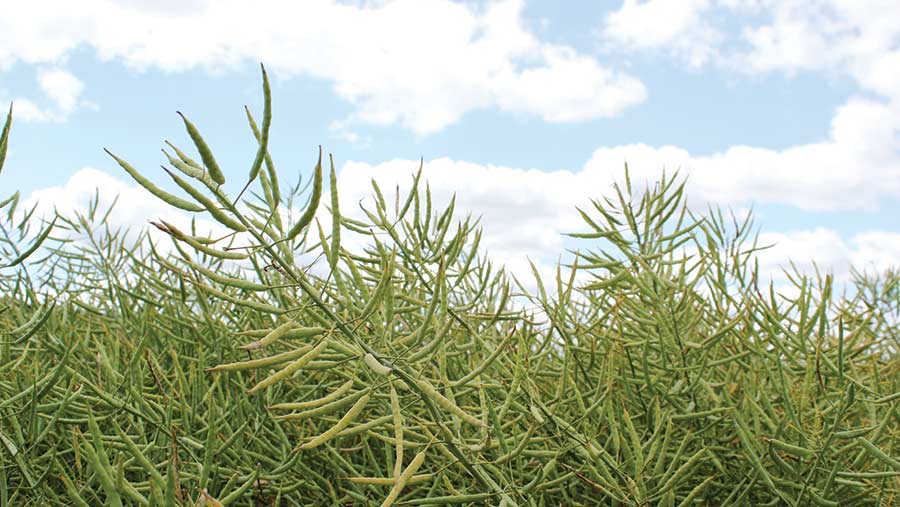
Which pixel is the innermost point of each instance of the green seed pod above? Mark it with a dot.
(4, 137)
(271, 337)
(879, 454)
(267, 122)
(210, 206)
(291, 368)
(229, 281)
(445, 403)
(376, 366)
(470, 498)
(335, 217)
(310, 212)
(262, 362)
(196, 245)
(34, 246)
(337, 393)
(186, 159)
(345, 421)
(398, 431)
(389, 481)
(321, 410)
(153, 189)
(501, 347)
(790, 448)
(99, 462)
(205, 153)
(187, 169)
(270, 166)
(404, 478)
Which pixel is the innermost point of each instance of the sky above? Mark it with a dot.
(523, 109)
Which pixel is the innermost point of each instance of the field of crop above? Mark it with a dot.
(279, 366)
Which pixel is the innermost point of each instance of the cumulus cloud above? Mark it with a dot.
(821, 248)
(524, 212)
(856, 166)
(61, 96)
(61, 87)
(421, 64)
(425, 64)
(859, 39)
(677, 26)
(134, 206)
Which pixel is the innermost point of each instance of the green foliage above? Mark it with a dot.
(653, 370)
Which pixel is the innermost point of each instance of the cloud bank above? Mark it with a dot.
(420, 64)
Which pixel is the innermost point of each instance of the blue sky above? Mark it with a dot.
(523, 108)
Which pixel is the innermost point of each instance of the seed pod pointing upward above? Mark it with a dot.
(335, 218)
(4, 137)
(205, 153)
(266, 123)
(313, 201)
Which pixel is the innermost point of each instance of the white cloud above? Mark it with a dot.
(422, 64)
(134, 207)
(675, 26)
(870, 251)
(857, 165)
(524, 213)
(857, 38)
(860, 38)
(61, 89)
(29, 112)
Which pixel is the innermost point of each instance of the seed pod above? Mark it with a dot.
(196, 245)
(291, 368)
(375, 366)
(186, 159)
(689, 499)
(262, 362)
(34, 246)
(335, 217)
(210, 206)
(380, 289)
(388, 481)
(341, 424)
(398, 431)
(854, 433)
(404, 478)
(230, 281)
(501, 347)
(239, 492)
(338, 393)
(879, 454)
(189, 170)
(205, 153)
(173, 200)
(310, 212)
(135, 451)
(272, 336)
(470, 498)
(445, 403)
(99, 461)
(796, 450)
(266, 123)
(270, 166)
(321, 410)
(4, 137)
